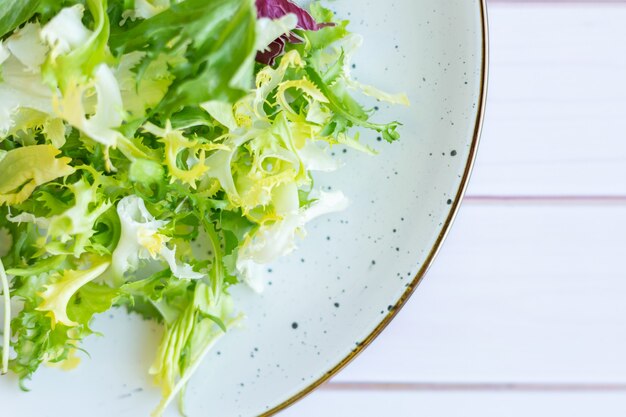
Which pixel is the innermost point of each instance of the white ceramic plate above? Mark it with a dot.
(353, 271)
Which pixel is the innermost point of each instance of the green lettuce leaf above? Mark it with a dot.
(90, 300)
(15, 12)
(218, 40)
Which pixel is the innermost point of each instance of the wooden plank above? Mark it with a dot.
(410, 404)
(555, 121)
(529, 293)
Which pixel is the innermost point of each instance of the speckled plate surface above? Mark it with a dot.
(338, 291)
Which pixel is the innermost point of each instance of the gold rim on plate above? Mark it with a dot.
(436, 247)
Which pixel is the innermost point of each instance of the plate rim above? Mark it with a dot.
(471, 159)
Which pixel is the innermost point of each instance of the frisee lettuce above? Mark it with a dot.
(154, 154)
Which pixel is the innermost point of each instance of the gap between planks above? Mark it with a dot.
(551, 2)
(569, 200)
(472, 387)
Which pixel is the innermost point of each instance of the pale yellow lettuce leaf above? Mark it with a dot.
(30, 167)
(56, 296)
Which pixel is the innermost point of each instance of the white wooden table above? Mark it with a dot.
(524, 312)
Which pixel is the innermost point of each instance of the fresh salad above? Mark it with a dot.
(154, 153)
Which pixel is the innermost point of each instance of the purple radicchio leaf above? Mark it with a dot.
(274, 50)
(274, 9)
